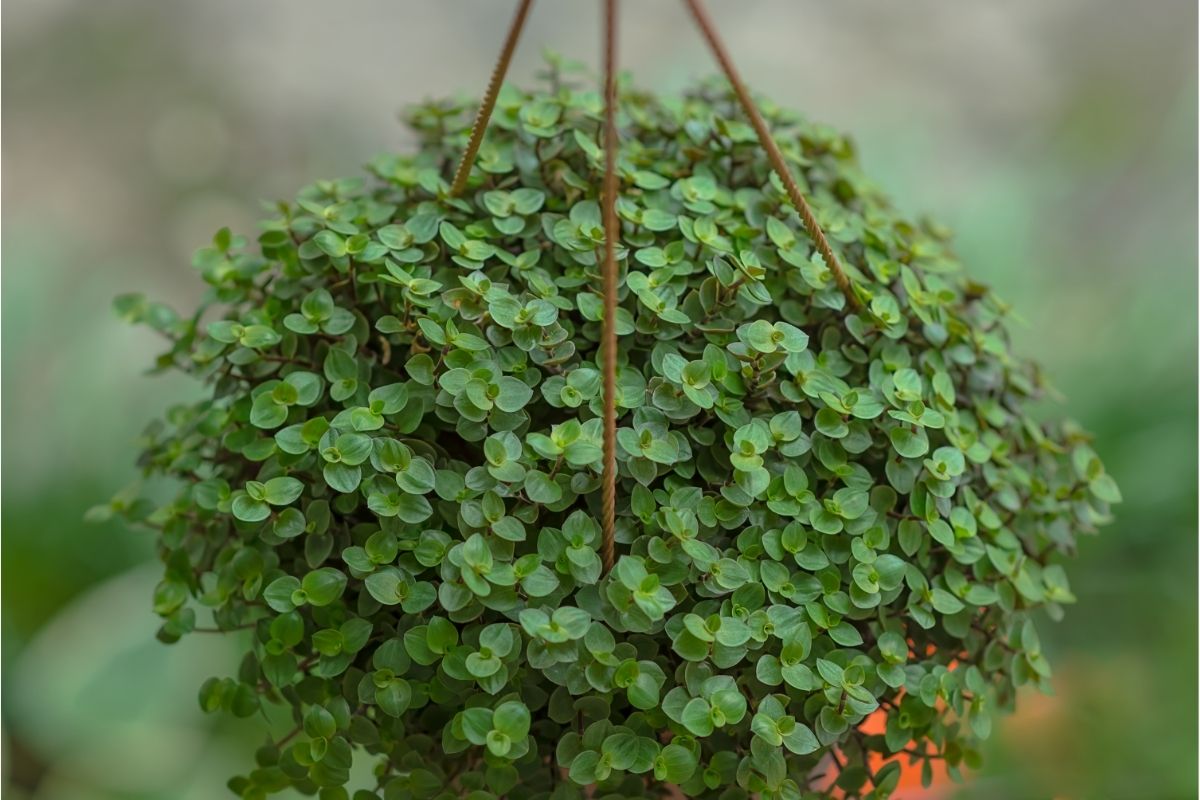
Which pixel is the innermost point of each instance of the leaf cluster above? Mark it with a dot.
(827, 515)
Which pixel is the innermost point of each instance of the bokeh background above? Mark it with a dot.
(1057, 138)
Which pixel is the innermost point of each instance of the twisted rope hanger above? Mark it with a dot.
(609, 190)
(705, 23)
(489, 99)
(612, 230)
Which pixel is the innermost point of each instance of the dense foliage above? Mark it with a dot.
(835, 524)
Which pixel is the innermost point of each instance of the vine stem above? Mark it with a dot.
(612, 230)
(774, 155)
(247, 626)
(287, 737)
(489, 99)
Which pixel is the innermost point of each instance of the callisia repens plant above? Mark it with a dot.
(837, 522)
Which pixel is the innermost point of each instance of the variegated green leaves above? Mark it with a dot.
(823, 514)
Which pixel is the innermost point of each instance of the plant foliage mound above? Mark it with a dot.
(836, 521)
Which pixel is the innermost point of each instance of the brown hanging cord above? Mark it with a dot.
(768, 143)
(489, 100)
(608, 341)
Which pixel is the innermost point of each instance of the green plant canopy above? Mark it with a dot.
(826, 514)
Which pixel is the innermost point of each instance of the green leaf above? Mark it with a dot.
(385, 586)
(674, 764)
(540, 488)
(1105, 488)
(420, 368)
(318, 722)
(893, 647)
(539, 583)
(498, 638)
(330, 243)
(498, 743)
(342, 477)
(353, 448)
(573, 622)
(279, 593)
(512, 394)
(760, 335)
(789, 338)
(390, 399)
(481, 666)
(512, 719)
(249, 509)
(290, 523)
(909, 443)
(282, 490)
(584, 768)
(324, 586)
(946, 603)
(258, 337)
(477, 724)
(413, 509)
(697, 717)
(266, 412)
(394, 697)
(800, 739)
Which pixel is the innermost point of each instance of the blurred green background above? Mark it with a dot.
(1058, 139)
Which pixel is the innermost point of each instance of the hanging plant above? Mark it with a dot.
(832, 502)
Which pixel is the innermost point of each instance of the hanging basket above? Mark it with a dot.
(591, 459)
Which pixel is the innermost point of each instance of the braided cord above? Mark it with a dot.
(609, 339)
(705, 23)
(489, 99)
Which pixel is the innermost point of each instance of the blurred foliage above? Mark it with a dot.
(136, 128)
